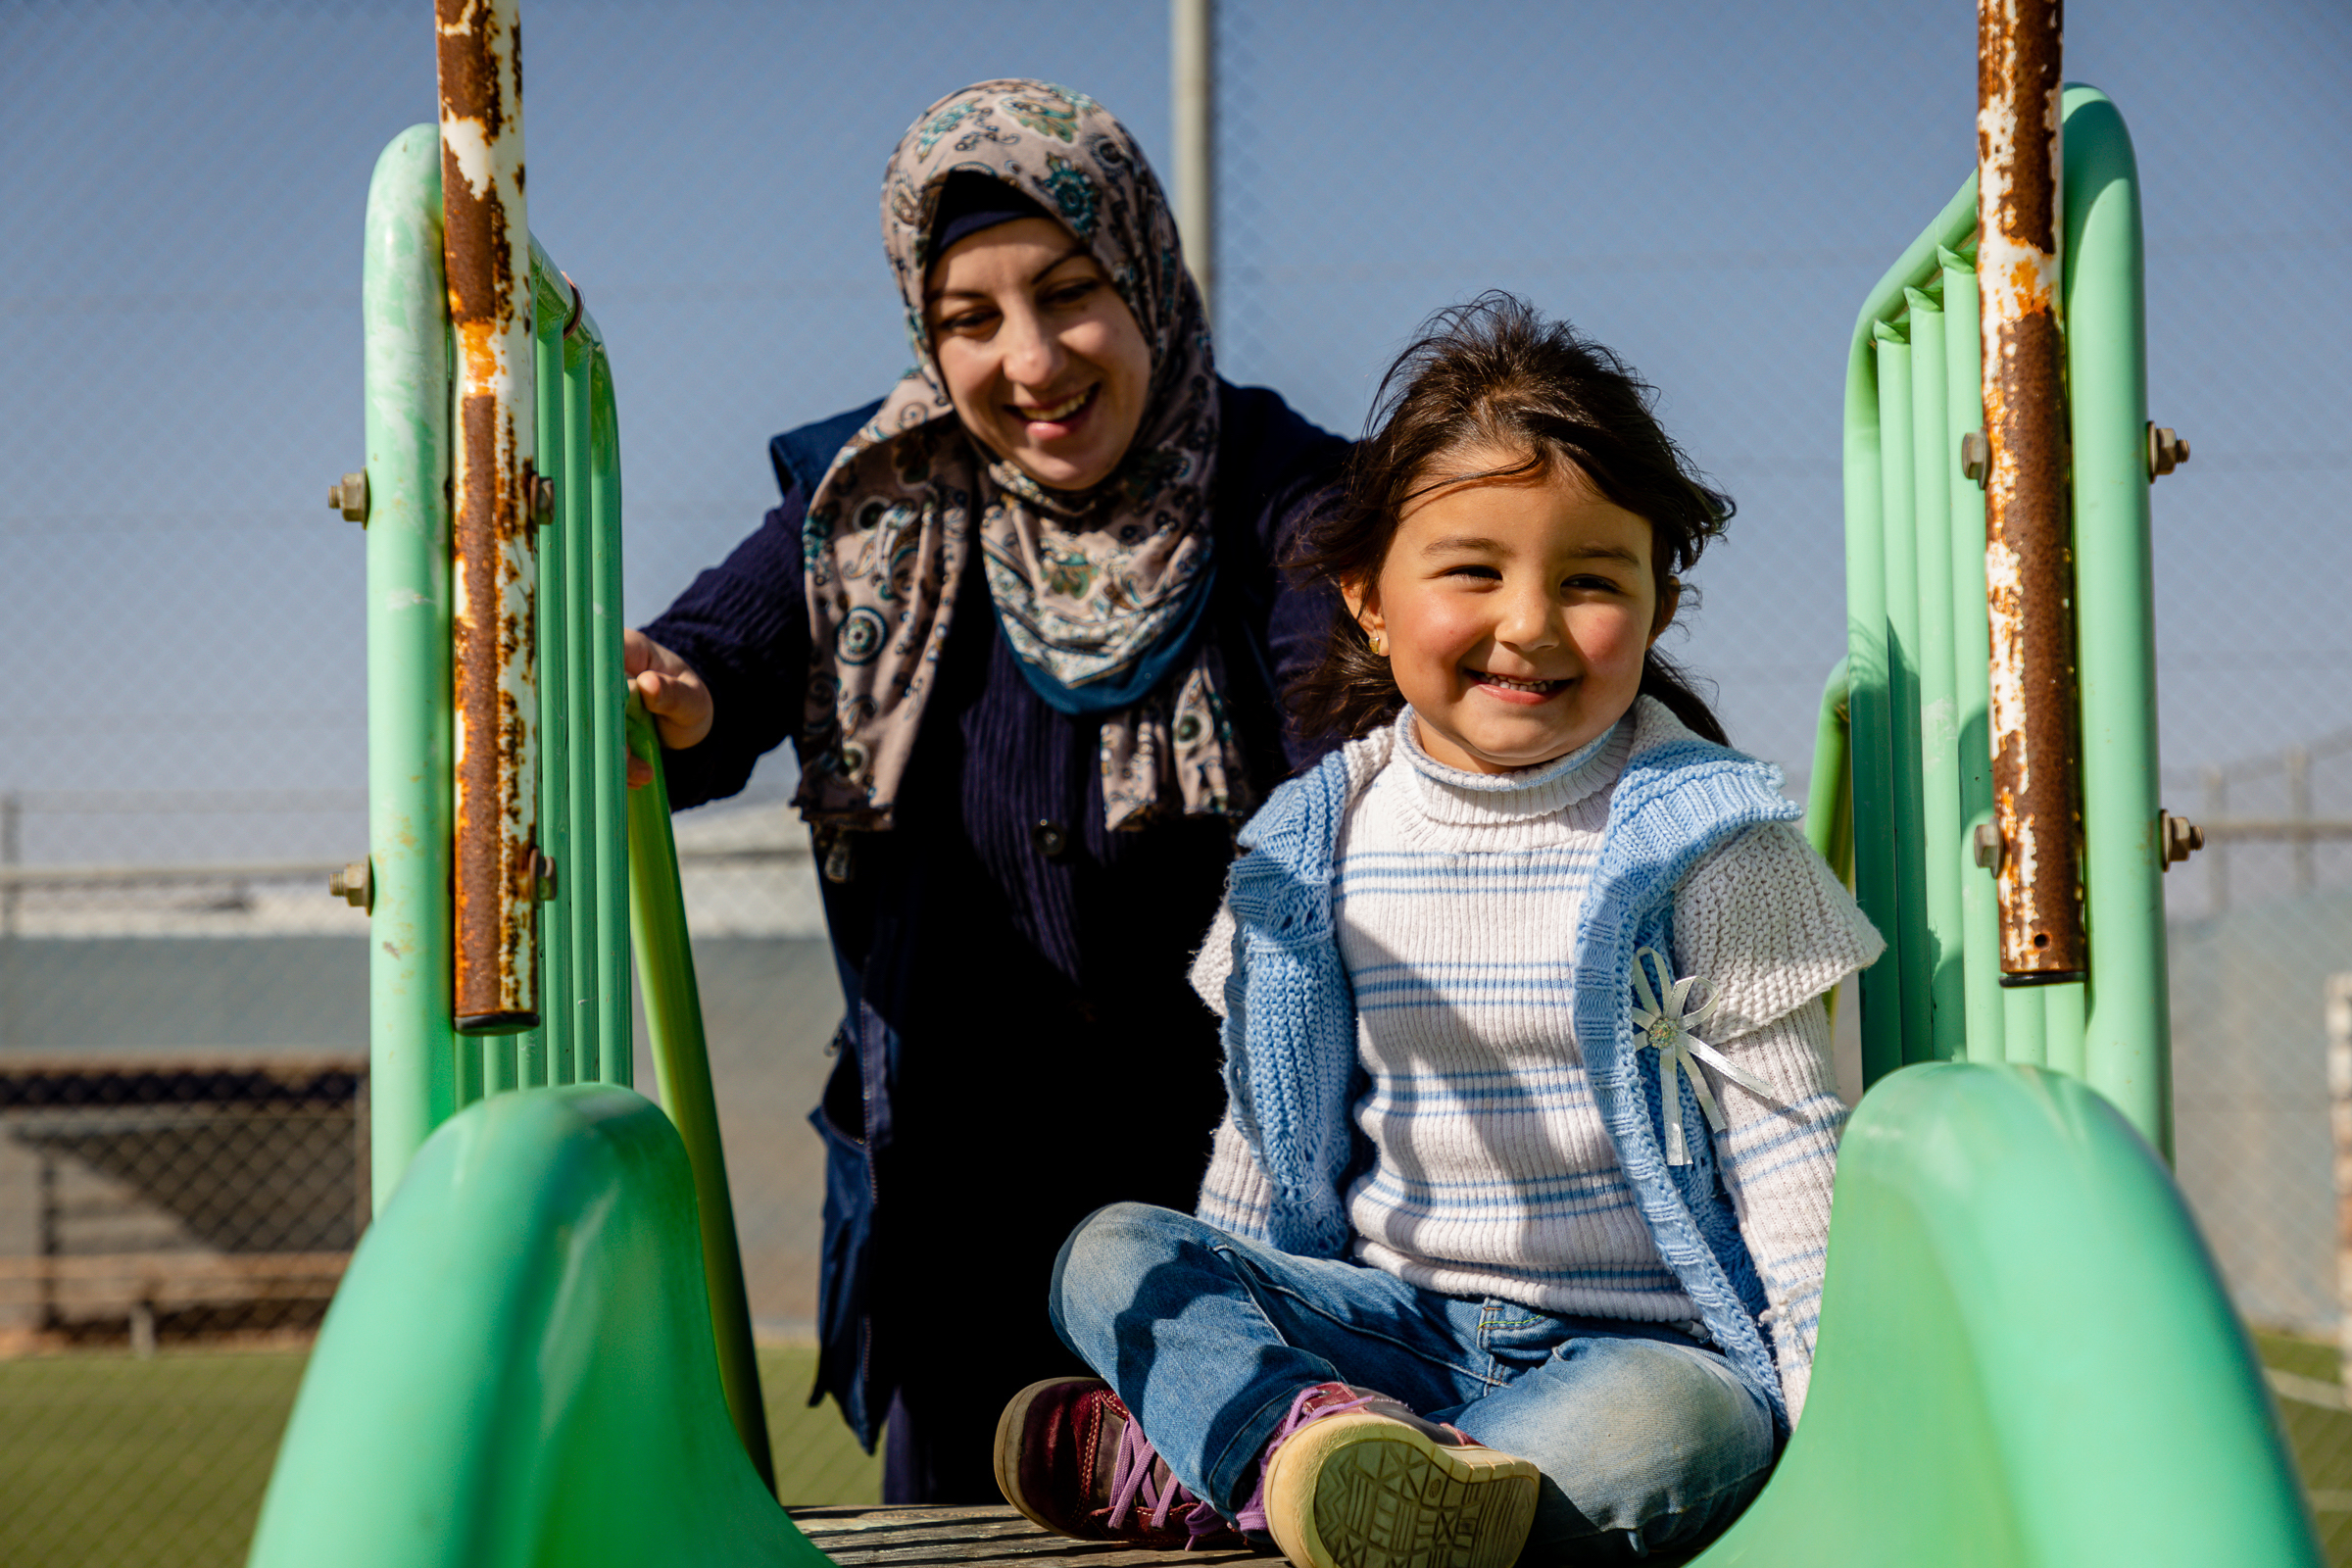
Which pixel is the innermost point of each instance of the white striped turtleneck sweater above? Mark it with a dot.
(1493, 1173)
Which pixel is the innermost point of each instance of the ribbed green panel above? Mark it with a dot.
(1902, 531)
(1931, 461)
(2127, 1046)
(1972, 662)
(1867, 702)
(412, 1051)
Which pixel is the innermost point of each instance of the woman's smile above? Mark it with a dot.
(1041, 357)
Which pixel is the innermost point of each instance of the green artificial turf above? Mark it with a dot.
(161, 1463)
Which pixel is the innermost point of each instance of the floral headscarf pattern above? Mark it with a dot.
(1095, 591)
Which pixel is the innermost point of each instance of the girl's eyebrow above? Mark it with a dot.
(1473, 542)
(977, 294)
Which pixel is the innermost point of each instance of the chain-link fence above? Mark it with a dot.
(1709, 189)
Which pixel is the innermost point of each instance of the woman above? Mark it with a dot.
(1021, 621)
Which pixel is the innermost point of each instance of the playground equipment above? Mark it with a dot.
(540, 1354)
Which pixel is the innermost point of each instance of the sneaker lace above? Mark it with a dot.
(1139, 1475)
(1251, 1516)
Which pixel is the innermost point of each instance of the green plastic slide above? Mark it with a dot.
(2026, 1356)
(518, 1369)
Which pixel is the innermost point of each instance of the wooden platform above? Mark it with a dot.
(910, 1536)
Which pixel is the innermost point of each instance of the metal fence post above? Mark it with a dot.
(1193, 109)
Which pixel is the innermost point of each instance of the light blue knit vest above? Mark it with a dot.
(1291, 1068)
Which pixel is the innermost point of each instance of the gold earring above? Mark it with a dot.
(1380, 644)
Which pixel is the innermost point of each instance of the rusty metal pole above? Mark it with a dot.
(486, 248)
(2036, 760)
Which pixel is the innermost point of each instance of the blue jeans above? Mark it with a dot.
(1648, 1440)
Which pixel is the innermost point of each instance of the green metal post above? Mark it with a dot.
(2128, 1044)
(545, 1052)
(1867, 703)
(584, 877)
(673, 1025)
(1899, 529)
(612, 804)
(1972, 663)
(587, 720)
(2065, 1012)
(1830, 798)
(1932, 459)
(412, 1053)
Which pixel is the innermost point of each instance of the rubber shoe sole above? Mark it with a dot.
(1362, 1491)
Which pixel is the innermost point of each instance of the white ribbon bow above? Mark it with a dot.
(1668, 1028)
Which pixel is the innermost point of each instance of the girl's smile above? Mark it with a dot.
(1516, 610)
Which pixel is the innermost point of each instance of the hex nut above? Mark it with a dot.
(2180, 838)
(1989, 847)
(543, 871)
(2167, 450)
(349, 496)
(355, 885)
(1976, 455)
(543, 500)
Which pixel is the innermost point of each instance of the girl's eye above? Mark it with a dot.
(1473, 569)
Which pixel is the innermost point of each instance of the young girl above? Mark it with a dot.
(1517, 1214)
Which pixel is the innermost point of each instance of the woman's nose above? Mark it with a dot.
(1033, 357)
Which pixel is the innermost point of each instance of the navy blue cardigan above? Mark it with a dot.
(1020, 1044)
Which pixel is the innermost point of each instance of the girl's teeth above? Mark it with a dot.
(1518, 685)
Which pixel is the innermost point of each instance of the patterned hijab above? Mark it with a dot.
(1098, 592)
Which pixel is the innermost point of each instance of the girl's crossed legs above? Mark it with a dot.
(1647, 1440)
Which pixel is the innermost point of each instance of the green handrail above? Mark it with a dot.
(673, 1026)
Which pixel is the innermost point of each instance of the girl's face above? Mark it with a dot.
(1517, 613)
(1043, 359)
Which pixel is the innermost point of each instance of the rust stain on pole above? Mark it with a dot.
(2036, 758)
(486, 246)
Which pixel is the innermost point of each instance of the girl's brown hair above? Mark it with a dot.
(1495, 374)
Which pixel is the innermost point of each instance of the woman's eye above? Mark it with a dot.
(964, 321)
(1064, 295)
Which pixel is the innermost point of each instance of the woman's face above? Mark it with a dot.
(1043, 359)
(1517, 613)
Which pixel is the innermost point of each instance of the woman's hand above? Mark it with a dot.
(674, 694)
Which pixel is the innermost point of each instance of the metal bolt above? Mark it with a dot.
(349, 496)
(2179, 837)
(1989, 847)
(542, 499)
(355, 885)
(2167, 450)
(543, 869)
(1976, 455)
